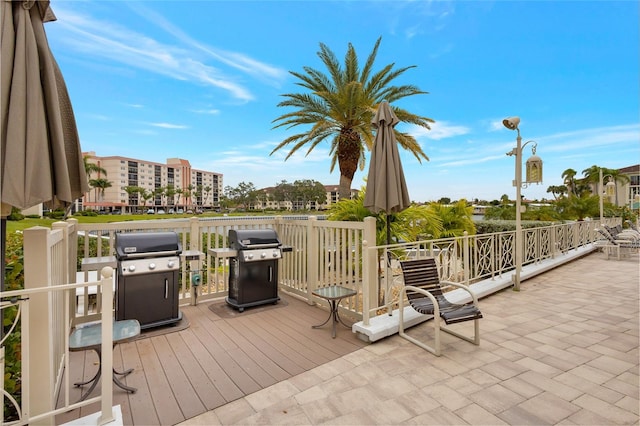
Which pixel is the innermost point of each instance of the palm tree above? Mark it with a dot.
(557, 190)
(340, 106)
(145, 196)
(207, 191)
(159, 192)
(592, 176)
(179, 194)
(188, 194)
(412, 224)
(130, 190)
(170, 193)
(100, 185)
(456, 219)
(90, 168)
(569, 180)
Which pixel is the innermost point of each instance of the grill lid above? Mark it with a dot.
(146, 244)
(242, 239)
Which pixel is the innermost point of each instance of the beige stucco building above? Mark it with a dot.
(172, 185)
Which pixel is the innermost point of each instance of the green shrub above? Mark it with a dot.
(14, 280)
(15, 214)
(491, 226)
(55, 214)
(85, 213)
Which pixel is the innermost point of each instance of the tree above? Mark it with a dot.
(283, 191)
(580, 207)
(568, 177)
(146, 196)
(309, 191)
(188, 193)
(179, 192)
(557, 190)
(339, 108)
(592, 176)
(456, 219)
(412, 224)
(243, 195)
(130, 190)
(170, 193)
(159, 192)
(91, 168)
(207, 190)
(100, 185)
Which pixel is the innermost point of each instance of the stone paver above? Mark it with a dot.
(563, 350)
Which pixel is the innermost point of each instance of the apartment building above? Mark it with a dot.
(268, 202)
(173, 185)
(629, 193)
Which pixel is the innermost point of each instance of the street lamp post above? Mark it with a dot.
(533, 175)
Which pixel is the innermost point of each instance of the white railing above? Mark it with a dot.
(44, 313)
(470, 258)
(323, 253)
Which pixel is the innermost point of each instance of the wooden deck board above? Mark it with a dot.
(214, 361)
(181, 387)
(206, 391)
(222, 382)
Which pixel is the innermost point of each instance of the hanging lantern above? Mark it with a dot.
(534, 169)
(610, 188)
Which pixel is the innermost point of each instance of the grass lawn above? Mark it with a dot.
(13, 226)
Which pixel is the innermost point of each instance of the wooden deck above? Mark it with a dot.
(215, 360)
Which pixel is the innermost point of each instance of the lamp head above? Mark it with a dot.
(511, 123)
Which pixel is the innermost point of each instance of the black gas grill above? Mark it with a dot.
(147, 286)
(253, 267)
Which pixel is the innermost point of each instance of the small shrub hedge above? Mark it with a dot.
(491, 226)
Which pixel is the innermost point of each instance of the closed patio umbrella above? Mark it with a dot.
(41, 159)
(386, 186)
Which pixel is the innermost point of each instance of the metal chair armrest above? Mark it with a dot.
(464, 287)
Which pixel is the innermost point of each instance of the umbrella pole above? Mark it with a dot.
(388, 230)
(387, 261)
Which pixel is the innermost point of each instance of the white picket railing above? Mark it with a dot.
(44, 314)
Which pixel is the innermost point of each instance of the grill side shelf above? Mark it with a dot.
(223, 252)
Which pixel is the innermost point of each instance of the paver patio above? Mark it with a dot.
(563, 350)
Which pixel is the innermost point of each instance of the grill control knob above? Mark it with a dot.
(152, 266)
(250, 256)
(171, 264)
(263, 255)
(275, 254)
(132, 268)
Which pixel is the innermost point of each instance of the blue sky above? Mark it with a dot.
(201, 80)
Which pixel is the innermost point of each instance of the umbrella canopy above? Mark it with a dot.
(41, 156)
(386, 186)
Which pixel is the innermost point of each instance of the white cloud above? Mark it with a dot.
(439, 130)
(168, 125)
(108, 40)
(212, 111)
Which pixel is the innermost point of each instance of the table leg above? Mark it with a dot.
(123, 386)
(327, 320)
(96, 377)
(340, 319)
(333, 315)
(93, 381)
